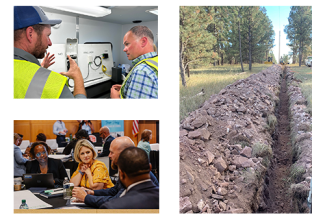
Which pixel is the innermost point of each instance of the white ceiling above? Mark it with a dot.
(119, 15)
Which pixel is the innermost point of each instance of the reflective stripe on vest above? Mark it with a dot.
(152, 62)
(33, 81)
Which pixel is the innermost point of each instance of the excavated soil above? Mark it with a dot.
(248, 148)
(276, 195)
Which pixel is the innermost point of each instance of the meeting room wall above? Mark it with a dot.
(30, 128)
(152, 125)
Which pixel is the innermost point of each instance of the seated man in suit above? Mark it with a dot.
(95, 198)
(140, 192)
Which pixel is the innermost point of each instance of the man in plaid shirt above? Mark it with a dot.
(142, 81)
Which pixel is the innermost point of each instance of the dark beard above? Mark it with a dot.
(39, 53)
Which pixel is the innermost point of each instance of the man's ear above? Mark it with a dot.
(143, 41)
(150, 166)
(122, 175)
(30, 34)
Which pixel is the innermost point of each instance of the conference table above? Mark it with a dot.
(60, 205)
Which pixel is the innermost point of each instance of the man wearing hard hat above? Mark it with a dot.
(32, 30)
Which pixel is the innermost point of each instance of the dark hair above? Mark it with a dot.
(145, 135)
(38, 28)
(133, 161)
(142, 31)
(31, 152)
(82, 134)
(41, 137)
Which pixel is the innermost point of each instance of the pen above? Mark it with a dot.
(52, 190)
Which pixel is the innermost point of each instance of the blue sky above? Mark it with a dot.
(279, 17)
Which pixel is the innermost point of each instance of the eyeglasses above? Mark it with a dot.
(39, 154)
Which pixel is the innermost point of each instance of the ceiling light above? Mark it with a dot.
(153, 11)
(94, 11)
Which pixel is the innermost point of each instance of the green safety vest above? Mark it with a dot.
(33, 81)
(152, 62)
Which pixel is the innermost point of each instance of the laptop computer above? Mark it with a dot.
(38, 180)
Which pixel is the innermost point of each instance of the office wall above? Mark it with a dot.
(30, 128)
(143, 124)
(89, 31)
(96, 31)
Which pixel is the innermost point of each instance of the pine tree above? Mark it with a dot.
(195, 41)
(299, 29)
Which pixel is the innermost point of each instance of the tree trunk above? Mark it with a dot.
(181, 65)
(300, 52)
(221, 45)
(241, 59)
(250, 45)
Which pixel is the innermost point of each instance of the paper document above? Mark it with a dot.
(75, 202)
(32, 201)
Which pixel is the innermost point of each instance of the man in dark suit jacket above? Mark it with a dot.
(140, 192)
(95, 198)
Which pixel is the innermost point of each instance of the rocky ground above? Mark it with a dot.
(226, 155)
(301, 141)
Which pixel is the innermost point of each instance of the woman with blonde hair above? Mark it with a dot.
(91, 173)
(144, 144)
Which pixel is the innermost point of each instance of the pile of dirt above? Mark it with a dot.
(226, 147)
(301, 138)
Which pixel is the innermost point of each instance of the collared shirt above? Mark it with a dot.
(58, 126)
(104, 140)
(132, 185)
(143, 83)
(20, 54)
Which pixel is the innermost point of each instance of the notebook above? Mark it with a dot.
(38, 180)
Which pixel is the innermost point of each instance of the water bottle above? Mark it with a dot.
(23, 204)
(70, 137)
(123, 71)
(66, 189)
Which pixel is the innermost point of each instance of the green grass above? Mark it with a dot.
(304, 74)
(295, 174)
(262, 150)
(212, 80)
(272, 121)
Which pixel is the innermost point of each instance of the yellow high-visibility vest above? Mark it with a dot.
(152, 62)
(33, 81)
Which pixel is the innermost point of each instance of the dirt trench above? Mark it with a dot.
(237, 152)
(276, 195)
